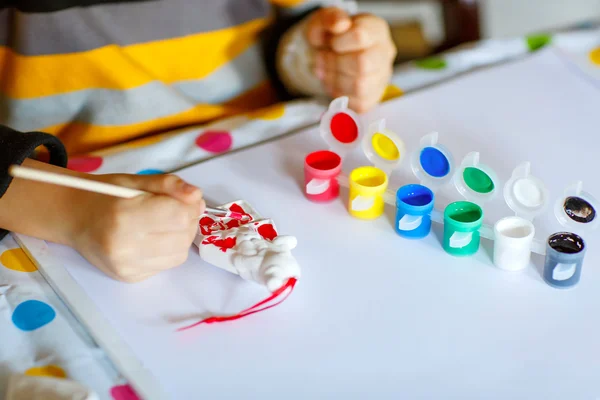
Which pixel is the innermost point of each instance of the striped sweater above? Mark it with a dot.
(96, 73)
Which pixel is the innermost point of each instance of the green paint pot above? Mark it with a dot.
(462, 221)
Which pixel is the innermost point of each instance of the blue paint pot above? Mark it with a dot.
(434, 162)
(414, 204)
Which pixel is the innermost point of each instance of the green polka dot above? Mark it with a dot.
(431, 63)
(536, 42)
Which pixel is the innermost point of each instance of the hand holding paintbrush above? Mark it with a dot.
(97, 187)
(129, 226)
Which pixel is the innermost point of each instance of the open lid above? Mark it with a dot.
(525, 194)
(383, 147)
(577, 210)
(340, 127)
(432, 163)
(476, 182)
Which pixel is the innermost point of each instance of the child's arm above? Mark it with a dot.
(129, 239)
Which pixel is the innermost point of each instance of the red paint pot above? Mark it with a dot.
(321, 169)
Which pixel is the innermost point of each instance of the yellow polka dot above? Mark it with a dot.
(17, 260)
(595, 56)
(47, 370)
(391, 92)
(268, 113)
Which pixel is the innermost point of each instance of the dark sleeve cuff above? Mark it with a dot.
(16, 146)
(270, 43)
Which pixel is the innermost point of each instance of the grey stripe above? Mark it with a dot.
(150, 101)
(81, 29)
(234, 78)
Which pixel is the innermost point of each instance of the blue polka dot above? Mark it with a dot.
(150, 172)
(32, 314)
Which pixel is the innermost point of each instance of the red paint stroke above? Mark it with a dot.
(290, 284)
(222, 244)
(209, 225)
(243, 219)
(238, 209)
(235, 215)
(267, 231)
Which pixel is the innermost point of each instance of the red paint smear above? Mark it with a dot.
(343, 128)
(267, 231)
(238, 209)
(290, 284)
(209, 225)
(222, 244)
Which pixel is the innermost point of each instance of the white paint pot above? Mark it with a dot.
(513, 237)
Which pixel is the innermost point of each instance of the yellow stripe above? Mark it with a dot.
(81, 138)
(114, 67)
(287, 3)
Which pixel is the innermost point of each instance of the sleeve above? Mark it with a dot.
(287, 14)
(16, 146)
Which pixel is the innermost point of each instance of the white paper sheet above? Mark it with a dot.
(376, 316)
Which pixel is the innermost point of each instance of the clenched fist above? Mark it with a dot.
(354, 55)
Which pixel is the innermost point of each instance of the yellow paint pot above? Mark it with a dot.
(367, 187)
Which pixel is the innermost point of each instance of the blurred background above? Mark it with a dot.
(423, 27)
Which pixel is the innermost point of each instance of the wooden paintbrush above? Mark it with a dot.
(108, 189)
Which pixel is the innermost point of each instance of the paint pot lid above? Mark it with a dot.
(432, 163)
(524, 193)
(383, 147)
(340, 127)
(577, 210)
(476, 182)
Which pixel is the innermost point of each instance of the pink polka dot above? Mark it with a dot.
(123, 392)
(214, 141)
(85, 164)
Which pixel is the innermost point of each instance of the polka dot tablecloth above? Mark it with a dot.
(39, 335)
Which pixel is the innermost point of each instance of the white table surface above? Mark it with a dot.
(376, 316)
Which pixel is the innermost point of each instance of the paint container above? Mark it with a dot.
(564, 259)
(527, 196)
(477, 183)
(513, 237)
(432, 163)
(341, 129)
(321, 169)
(385, 150)
(414, 204)
(577, 211)
(462, 221)
(367, 187)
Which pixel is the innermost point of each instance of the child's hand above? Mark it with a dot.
(133, 239)
(355, 55)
